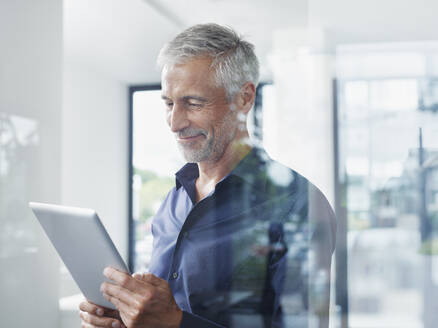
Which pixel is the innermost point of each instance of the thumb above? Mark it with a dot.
(137, 275)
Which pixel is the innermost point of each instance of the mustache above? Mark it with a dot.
(190, 132)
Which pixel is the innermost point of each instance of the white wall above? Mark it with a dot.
(95, 148)
(30, 102)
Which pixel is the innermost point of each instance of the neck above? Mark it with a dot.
(211, 172)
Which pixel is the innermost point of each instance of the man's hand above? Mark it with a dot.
(94, 316)
(143, 300)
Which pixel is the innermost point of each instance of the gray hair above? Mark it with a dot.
(234, 60)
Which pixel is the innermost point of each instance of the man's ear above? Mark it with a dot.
(245, 97)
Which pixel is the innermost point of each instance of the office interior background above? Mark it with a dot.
(349, 99)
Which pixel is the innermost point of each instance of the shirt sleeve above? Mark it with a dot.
(190, 320)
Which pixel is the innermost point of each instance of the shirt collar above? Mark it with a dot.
(251, 169)
(186, 174)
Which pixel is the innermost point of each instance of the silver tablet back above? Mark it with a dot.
(83, 244)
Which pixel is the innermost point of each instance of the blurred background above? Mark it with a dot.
(349, 98)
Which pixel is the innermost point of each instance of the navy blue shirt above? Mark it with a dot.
(255, 252)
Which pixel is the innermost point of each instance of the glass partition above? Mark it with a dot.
(388, 153)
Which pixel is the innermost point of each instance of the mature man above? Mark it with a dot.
(240, 241)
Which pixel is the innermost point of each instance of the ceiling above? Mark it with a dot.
(360, 21)
(121, 38)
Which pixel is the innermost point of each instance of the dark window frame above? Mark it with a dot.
(131, 227)
(341, 255)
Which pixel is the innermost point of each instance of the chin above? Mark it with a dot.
(196, 156)
(197, 153)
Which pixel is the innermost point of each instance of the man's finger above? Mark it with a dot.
(96, 321)
(119, 304)
(119, 292)
(137, 275)
(152, 279)
(87, 325)
(97, 310)
(123, 279)
(91, 308)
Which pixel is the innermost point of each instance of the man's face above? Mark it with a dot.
(197, 110)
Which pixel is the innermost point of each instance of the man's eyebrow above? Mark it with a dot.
(202, 99)
(187, 98)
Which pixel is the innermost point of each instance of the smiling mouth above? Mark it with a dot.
(189, 139)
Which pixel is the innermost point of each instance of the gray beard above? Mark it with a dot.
(214, 147)
(197, 155)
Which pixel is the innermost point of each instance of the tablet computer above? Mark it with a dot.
(83, 244)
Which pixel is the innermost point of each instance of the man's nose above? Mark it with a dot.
(178, 119)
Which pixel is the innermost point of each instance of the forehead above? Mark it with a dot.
(195, 74)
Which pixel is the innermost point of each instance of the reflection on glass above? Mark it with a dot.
(21, 247)
(389, 150)
(256, 252)
(18, 138)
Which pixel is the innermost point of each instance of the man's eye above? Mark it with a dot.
(169, 105)
(194, 105)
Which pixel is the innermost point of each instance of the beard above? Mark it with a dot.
(212, 146)
(195, 153)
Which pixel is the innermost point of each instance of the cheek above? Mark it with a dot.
(201, 121)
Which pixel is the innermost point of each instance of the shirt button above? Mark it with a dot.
(175, 275)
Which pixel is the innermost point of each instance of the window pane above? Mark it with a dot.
(390, 238)
(155, 160)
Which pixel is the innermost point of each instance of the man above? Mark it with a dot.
(240, 241)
